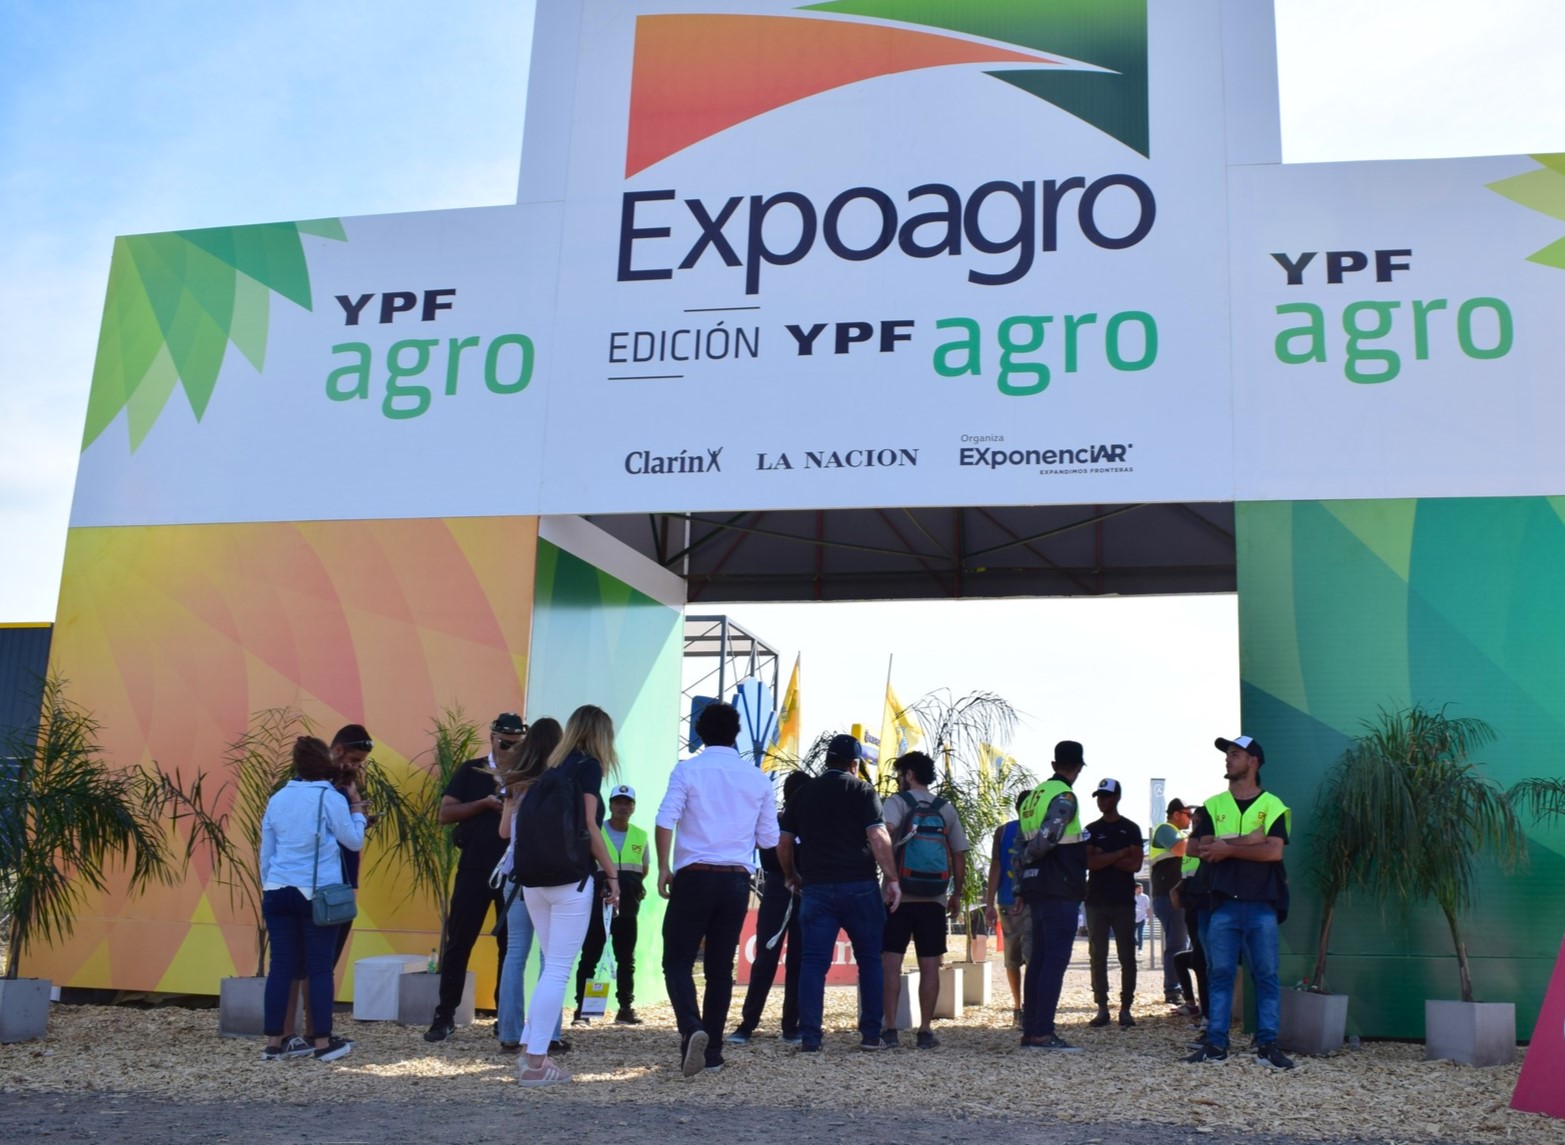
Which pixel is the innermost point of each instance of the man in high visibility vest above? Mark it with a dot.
(1052, 855)
(627, 847)
(1167, 854)
(1249, 896)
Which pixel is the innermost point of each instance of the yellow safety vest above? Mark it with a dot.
(1252, 826)
(1154, 852)
(1036, 805)
(631, 857)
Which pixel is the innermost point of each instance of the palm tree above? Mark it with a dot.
(67, 817)
(430, 855)
(1544, 798)
(1440, 815)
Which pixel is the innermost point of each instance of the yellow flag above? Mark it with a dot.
(994, 760)
(899, 734)
(787, 745)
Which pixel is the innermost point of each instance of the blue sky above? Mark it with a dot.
(121, 118)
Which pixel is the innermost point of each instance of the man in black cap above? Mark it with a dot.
(1113, 858)
(1249, 897)
(1053, 860)
(1167, 854)
(471, 807)
(842, 836)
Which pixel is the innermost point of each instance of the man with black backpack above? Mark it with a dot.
(931, 854)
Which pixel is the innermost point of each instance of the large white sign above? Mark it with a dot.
(853, 253)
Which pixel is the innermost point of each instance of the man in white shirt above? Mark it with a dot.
(724, 810)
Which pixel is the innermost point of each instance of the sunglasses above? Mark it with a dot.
(356, 744)
(506, 744)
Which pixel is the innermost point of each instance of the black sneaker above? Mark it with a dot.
(809, 1047)
(559, 1046)
(439, 1030)
(1272, 1056)
(1102, 1018)
(869, 1044)
(889, 1040)
(626, 1017)
(510, 1049)
(740, 1037)
(334, 1049)
(1207, 1053)
(1125, 1019)
(580, 1019)
(926, 1040)
(694, 1060)
(792, 1039)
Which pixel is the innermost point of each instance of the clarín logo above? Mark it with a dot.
(696, 75)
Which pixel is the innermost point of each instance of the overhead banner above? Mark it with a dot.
(771, 255)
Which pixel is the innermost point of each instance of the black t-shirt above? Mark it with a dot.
(1249, 881)
(478, 837)
(769, 861)
(588, 774)
(830, 815)
(1108, 886)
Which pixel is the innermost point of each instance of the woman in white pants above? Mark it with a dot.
(560, 913)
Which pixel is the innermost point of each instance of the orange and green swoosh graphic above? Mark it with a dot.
(697, 75)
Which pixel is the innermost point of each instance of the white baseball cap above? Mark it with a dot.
(623, 791)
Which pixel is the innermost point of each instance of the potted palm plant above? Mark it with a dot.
(1461, 816)
(68, 819)
(1365, 820)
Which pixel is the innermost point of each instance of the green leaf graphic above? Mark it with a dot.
(175, 303)
(1543, 191)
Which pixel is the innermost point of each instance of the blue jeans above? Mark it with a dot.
(300, 949)
(825, 908)
(1175, 939)
(1053, 935)
(1252, 926)
(513, 990)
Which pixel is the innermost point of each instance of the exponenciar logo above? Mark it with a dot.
(696, 75)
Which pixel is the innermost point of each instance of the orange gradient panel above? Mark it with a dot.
(697, 75)
(172, 636)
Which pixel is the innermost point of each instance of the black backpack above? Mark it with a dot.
(553, 848)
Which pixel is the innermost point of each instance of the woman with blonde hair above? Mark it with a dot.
(583, 758)
(520, 767)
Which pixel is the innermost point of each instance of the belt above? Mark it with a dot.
(726, 868)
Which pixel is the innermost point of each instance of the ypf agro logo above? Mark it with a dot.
(696, 75)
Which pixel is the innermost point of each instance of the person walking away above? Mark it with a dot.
(1011, 914)
(723, 809)
(558, 837)
(301, 829)
(1113, 858)
(931, 853)
(1167, 852)
(1249, 894)
(1054, 882)
(1143, 912)
(779, 910)
(520, 767)
(841, 838)
(627, 847)
(471, 806)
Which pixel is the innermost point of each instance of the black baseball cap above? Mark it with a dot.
(1245, 744)
(844, 749)
(1067, 753)
(508, 724)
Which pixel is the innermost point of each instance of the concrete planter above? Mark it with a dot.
(1313, 1024)
(1473, 1033)
(241, 1009)
(418, 995)
(977, 983)
(24, 1009)
(909, 1014)
(953, 992)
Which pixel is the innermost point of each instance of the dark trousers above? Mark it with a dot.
(857, 908)
(1053, 935)
(624, 930)
(1175, 939)
(763, 971)
(1193, 961)
(1121, 920)
(710, 906)
(300, 949)
(471, 898)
